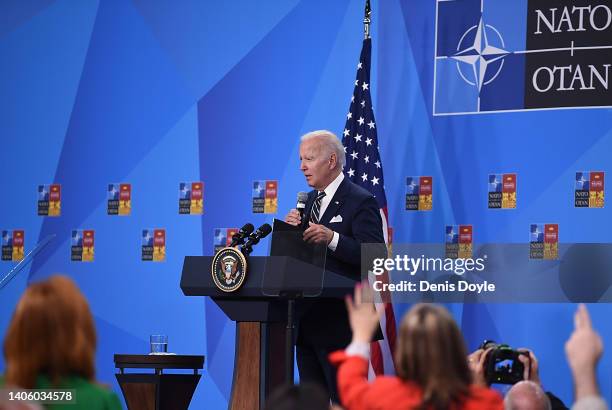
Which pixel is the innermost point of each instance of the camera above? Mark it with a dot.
(502, 364)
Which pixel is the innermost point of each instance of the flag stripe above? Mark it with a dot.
(364, 167)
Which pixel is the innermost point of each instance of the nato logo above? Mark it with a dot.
(147, 237)
(112, 193)
(185, 190)
(77, 237)
(536, 241)
(501, 55)
(452, 234)
(219, 237)
(43, 192)
(583, 180)
(259, 189)
(589, 189)
(495, 184)
(7, 238)
(536, 233)
(412, 185)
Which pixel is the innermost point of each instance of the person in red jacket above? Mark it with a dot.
(431, 363)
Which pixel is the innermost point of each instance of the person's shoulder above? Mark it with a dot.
(92, 392)
(393, 392)
(358, 192)
(387, 384)
(104, 396)
(392, 382)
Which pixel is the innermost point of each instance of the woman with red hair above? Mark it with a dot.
(51, 344)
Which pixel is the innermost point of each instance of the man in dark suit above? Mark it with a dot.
(341, 215)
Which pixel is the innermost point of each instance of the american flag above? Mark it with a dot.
(364, 167)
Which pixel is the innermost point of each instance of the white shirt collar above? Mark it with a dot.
(331, 189)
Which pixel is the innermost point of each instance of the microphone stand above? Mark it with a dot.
(25, 261)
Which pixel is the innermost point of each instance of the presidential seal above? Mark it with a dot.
(229, 269)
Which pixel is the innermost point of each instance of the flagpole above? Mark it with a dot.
(367, 20)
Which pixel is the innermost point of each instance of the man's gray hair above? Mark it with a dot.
(526, 395)
(331, 142)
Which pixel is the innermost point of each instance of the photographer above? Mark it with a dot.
(526, 392)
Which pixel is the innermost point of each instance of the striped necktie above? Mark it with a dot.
(316, 208)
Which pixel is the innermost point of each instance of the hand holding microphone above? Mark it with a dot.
(295, 216)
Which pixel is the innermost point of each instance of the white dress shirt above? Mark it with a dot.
(330, 191)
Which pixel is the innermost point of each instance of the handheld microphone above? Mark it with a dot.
(302, 197)
(239, 237)
(255, 237)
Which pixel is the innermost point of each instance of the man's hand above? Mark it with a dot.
(293, 217)
(583, 350)
(318, 234)
(363, 316)
(476, 363)
(531, 372)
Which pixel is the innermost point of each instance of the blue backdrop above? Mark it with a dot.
(154, 93)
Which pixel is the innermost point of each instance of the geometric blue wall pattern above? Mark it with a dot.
(158, 93)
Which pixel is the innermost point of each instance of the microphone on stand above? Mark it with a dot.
(255, 237)
(239, 237)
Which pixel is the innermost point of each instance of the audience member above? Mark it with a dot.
(522, 395)
(584, 349)
(526, 395)
(431, 363)
(51, 343)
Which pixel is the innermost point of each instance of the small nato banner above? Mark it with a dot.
(265, 197)
(153, 245)
(50, 200)
(12, 245)
(222, 237)
(544, 241)
(502, 191)
(500, 55)
(82, 247)
(589, 189)
(191, 198)
(419, 191)
(458, 241)
(119, 199)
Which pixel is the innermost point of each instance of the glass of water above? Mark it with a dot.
(159, 344)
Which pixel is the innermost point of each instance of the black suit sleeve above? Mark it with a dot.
(366, 227)
(555, 402)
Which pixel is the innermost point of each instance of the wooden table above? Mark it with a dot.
(158, 390)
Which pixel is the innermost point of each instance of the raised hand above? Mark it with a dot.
(363, 316)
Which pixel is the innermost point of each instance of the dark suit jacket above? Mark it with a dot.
(324, 322)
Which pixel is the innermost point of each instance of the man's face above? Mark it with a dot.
(316, 165)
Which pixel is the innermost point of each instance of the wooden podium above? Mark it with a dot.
(259, 364)
(158, 390)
